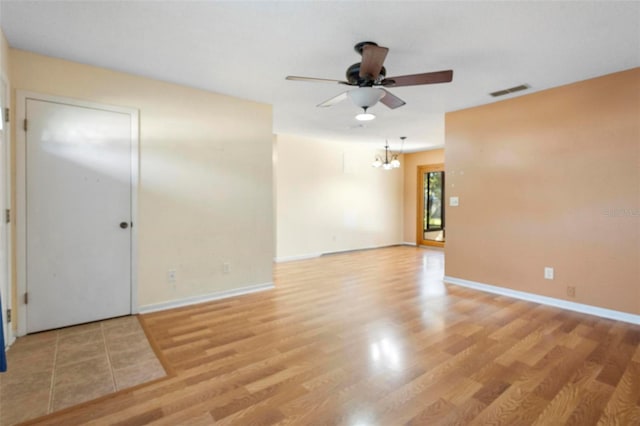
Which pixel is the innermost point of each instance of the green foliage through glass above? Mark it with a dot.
(433, 217)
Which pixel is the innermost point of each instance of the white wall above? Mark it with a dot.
(329, 198)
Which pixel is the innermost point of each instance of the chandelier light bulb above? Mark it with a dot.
(377, 163)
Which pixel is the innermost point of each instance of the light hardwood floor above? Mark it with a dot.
(375, 338)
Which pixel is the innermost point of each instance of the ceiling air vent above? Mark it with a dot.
(509, 90)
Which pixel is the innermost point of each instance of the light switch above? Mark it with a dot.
(453, 201)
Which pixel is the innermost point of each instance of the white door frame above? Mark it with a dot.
(21, 236)
(5, 180)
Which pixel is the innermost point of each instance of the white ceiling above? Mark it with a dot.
(246, 49)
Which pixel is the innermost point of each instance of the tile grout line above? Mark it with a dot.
(106, 349)
(53, 373)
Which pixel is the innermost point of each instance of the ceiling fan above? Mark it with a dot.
(370, 78)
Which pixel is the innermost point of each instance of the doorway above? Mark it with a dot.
(77, 168)
(431, 219)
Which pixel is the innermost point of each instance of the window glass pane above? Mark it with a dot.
(425, 201)
(434, 216)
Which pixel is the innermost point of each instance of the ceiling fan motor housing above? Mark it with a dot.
(359, 46)
(353, 76)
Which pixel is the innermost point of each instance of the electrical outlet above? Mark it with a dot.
(571, 291)
(226, 268)
(548, 273)
(171, 275)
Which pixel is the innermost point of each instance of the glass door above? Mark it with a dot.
(431, 224)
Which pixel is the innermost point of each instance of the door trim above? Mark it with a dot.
(420, 205)
(6, 181)
(21, 217)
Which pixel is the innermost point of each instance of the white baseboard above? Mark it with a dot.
(204, 298)
(298, 257)
(313, 255)
(9, 340)
(544, 300)
(406, 243)
(361, 249)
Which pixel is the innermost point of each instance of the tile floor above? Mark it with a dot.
(56, 369)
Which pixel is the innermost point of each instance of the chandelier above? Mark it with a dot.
(389, 164)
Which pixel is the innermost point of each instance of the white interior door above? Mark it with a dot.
(4, 204)
(78, 214)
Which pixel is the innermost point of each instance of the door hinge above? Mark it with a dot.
(7, 216)
(7, 115)
(8, 316)
(26, 298)
(25, 125)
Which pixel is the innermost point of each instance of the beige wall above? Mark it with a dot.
(329, 198)
(410, 207)
(205, 194)
(4, 54)
(540, 179)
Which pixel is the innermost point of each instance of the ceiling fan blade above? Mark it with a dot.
(331, 102)
(316, 80)
(391, 100)
(372, 60)
(417, 79)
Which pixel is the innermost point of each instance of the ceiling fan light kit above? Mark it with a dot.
(365, 116)
(366, 97)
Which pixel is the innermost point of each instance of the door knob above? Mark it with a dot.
(124, 225)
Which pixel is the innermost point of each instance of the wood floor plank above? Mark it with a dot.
(588, 410)
(568, 398)
(623, 404)
(375, 337)
(502, 408)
